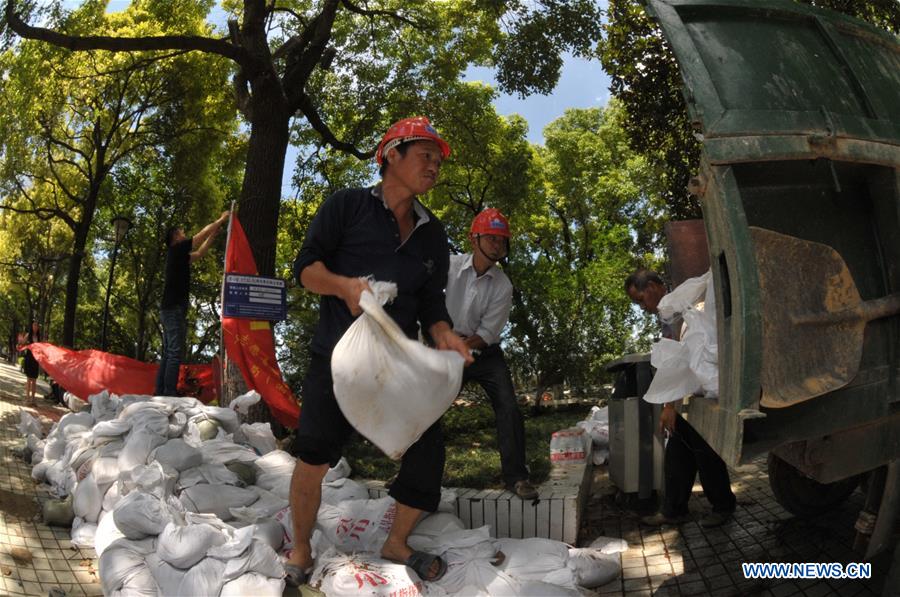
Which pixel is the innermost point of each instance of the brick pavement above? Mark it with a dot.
(689, 560)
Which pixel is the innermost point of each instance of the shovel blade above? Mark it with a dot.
(798, 277)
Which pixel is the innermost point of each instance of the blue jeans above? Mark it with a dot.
(174, 323)
(491, 372)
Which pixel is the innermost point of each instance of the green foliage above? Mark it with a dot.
(646, 80)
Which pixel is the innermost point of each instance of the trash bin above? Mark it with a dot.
(635, 449)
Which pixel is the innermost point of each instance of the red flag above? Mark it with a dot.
(250, 343)
(87, 372)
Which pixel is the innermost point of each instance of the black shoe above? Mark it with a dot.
(524, 489)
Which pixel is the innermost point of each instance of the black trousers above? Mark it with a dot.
(687, 453)
(491, 372)
(323, 430)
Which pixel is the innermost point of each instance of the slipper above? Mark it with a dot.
(421, 563)
(295, 576)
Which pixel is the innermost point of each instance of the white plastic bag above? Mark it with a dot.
(348, 575)
(389, 387)
(243, 402)
(28, 425)
(260, 436)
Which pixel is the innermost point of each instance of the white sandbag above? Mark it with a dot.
(265, 507)
(177, 423)
(533, 588)
(123, 567)
(103, 406)
(283, 517)
(111, 498)
(39, 471)
(597, 425)
(107, 532)
(449, 498)
(348, 575)
(75, 404)
(138, 445)
(260, 436)
(357, 525)
(151, 478)
(105, 471)
(28, 424)
(37, 448)
(253, 584)
(223, 451)
(243, 402)
(534, 559)
(184, 546)
(140, 514)
(609, 545)
(269, 532)
(203, 578)
(339, 471)
(88, 499)
(186, 404)
(438, 524)
(83, 533)
(274, 471)
(178, 455)
(214, 474)
(382, 378)
(593, 568)
(259, 558)
(226, 417)
(216, 499)
(468, 554)
(107, 431)
(343, 489)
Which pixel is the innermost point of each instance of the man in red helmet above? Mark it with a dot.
(382, 231)
(479, 298)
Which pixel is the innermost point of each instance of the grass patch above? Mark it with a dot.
(470, 435)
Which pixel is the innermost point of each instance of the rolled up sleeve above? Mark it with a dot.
(497, 314)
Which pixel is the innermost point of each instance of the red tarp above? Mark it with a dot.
(249, 342)
(87, 372)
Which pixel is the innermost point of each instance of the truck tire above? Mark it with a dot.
(802, 496)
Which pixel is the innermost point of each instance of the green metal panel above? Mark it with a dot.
(799, 111)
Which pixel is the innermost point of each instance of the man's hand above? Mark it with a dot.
(667, 419)
(446, 339)
(224, 217)
(350, 291)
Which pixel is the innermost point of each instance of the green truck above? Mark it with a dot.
(799, 113)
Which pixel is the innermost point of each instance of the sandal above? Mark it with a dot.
(421, 563)
(295, 576)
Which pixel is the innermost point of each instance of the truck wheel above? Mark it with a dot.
(803, 496)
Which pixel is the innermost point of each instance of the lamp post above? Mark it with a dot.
(121, 225)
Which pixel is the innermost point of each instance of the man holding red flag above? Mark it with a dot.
(385, 232)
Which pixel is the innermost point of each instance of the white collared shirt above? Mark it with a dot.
(478, 304)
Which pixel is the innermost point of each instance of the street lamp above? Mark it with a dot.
(121, 225)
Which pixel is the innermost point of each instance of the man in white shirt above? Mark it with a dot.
(479, 298)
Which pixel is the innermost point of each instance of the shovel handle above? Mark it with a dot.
(864, 311)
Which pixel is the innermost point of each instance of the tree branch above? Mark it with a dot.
(123, 44)
(383, 13)
(315, 39)
(312, 116)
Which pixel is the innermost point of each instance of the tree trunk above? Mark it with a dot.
(74, 275)
(259, 206)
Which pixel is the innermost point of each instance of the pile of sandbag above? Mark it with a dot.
(178, 498)
(164, 489)
(597, 426)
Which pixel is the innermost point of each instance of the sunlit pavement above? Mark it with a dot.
(691, 560)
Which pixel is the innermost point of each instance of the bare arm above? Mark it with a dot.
(209, 229)
(319, 279)
(207, 243)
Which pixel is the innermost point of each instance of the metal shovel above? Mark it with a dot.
(813, 319)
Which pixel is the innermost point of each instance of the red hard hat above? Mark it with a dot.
(417, 128)
(490, 221)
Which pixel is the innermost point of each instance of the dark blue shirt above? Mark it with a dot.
(354, 234)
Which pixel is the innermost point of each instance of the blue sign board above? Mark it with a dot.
(255, 297)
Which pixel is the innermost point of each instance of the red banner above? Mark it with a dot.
(250, 343)
(87, 372)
